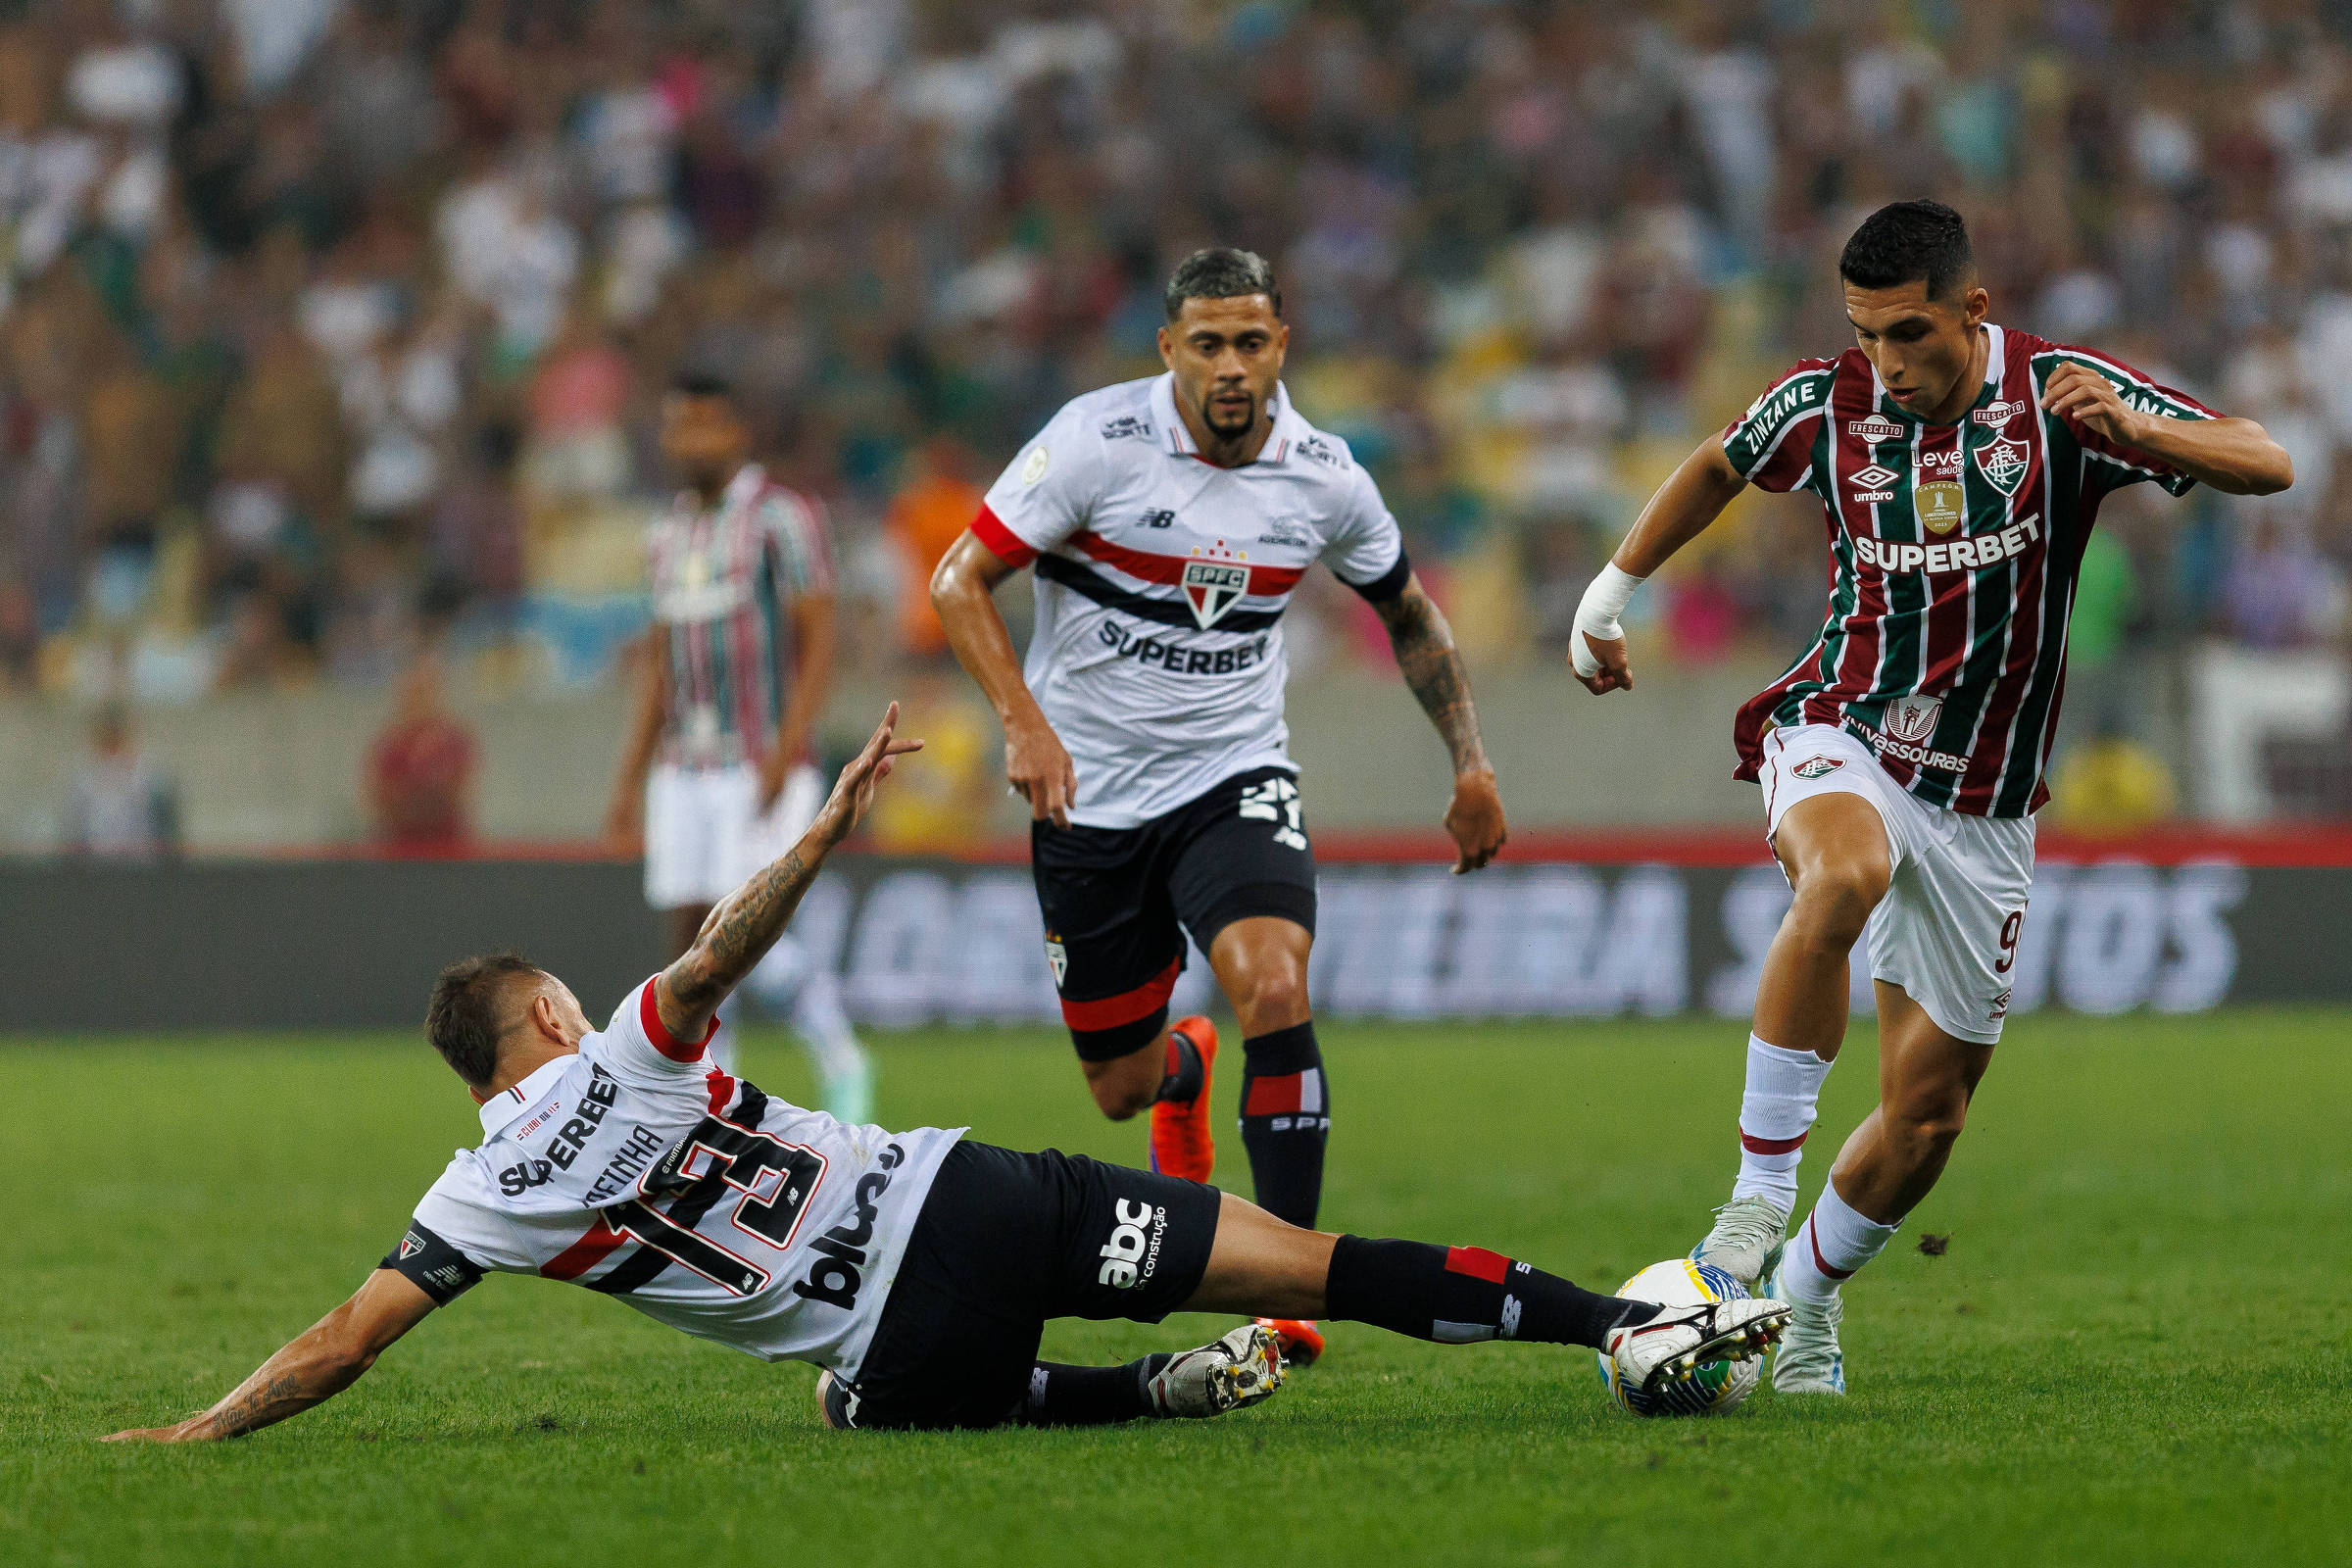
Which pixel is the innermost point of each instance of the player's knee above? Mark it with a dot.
(1120, 1098)
(1833, 902)
(1275, 998)
(1928, 1131)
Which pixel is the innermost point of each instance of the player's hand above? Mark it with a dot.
(624, 827)
(1475, 819)
(1601, 664)
(2083, 397)
(854, 792)
(171, 1434)
(1040, 772)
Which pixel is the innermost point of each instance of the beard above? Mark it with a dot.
(1226, 420)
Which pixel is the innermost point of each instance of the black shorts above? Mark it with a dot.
(1117, 901)
(1005, 1241)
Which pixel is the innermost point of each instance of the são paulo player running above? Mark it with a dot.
(1960, 467)
(1168, 521)
(716, 777)
(917, 1268)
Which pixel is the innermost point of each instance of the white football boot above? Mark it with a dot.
(1676, 1343)
(1809, 1360)
(1746, 1240)
(1225, 1374)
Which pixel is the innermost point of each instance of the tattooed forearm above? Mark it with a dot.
(287, 1384)
(739, 932)
(1433, 670)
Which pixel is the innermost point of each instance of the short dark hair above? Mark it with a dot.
(1221, 273)
(701, 383)
(468, 1014)
(1906, 242)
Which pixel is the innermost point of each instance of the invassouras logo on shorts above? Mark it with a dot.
(1130, 1255)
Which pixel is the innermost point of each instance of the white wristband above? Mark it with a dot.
(1596, 615)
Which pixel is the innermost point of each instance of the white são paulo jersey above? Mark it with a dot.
(638, 1169)
(1161, 579)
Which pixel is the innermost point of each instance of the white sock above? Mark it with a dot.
(1783, 1095)
(825, 1031)
(1835, 1241)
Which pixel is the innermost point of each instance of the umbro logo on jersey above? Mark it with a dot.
(1870, 484)
(1212, 588)
(2005, 462)
(1877, 427)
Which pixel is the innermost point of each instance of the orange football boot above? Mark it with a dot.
(1302, 1341)
(1181, 1142)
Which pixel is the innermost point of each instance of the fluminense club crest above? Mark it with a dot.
(2005, 464)
(1912, 720)
(1211, 587)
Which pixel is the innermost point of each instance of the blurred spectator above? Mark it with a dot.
(938, 502)
(119, 803)
(420, 770)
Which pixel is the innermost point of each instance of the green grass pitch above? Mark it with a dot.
(2134, 1350)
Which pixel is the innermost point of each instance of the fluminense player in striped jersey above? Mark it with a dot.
(1960, 467)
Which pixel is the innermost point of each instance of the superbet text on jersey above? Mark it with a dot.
(1161, 579)
(1953, 552)
(638, 1169)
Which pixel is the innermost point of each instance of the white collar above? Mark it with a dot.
(1180, 435)
(500, 1109)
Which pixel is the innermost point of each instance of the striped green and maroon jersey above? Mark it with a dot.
(1953, 553)
(724, 580)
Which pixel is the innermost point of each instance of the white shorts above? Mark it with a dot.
(1946, 931)
(702, 839)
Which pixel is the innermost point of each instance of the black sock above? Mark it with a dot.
(1286, 1119)
(1180, 1080)
(1089, 1395)
(1455, 1295)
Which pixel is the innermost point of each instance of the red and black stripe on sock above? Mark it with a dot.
(1285, 1120)
(1458, 1294)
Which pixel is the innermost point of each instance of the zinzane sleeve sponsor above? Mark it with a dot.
(1366, 548)
(1771, 445)
(1047, 493)
(2107, 465)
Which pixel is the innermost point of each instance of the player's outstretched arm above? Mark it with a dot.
(321, 1363)
(1432, 667)
(963, 591)
(624, 819)
(2235, 456)
(1693, 496)
(745, 924)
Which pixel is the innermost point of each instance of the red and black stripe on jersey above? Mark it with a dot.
(1974, 616)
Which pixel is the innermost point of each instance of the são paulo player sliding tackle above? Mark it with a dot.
(919, 1268)
(1960, 467)
(1168, 521)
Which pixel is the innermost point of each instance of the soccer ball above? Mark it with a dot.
(1717, 1387)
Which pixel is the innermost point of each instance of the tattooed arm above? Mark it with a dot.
(321, 1363)
(1433, 668)
(744, 926)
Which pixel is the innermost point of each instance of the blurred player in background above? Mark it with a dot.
(719, 776)
(1168, 521)
(1960, 467)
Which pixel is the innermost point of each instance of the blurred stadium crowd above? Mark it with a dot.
(330, 330)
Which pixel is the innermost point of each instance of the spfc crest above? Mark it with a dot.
(2005, 464)
(1057, 959)
(410, 1245)
(1912, 720)
(1211, 587)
